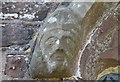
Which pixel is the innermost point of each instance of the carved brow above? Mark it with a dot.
(50, 38)
(69, 37)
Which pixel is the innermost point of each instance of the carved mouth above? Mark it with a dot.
(58, 56)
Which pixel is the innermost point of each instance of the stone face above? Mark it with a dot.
(102, 52)
(58, 44)
(57, 47)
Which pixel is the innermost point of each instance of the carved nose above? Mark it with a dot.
(59, 47)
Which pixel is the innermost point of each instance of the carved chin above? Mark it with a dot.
(58, 62)
(59, 69)
(57, 65)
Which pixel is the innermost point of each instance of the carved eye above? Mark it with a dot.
(50, 41)
(70, 42)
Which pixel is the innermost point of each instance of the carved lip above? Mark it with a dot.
(58, 56)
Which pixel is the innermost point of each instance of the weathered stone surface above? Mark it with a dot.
(15, 66)
(94, 14)
(19, 22)
(65, 4)
(58, 43)
(36, 11)
(41, 14)
(102, 52)
(52, 5)
(91, 52)
(52, 58)
(16, 36)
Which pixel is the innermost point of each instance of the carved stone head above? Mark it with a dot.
(57, 46)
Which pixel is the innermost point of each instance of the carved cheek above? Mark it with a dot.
(48, 44)
(70, 45)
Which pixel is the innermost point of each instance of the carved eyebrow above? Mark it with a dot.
(50, 38)
(74, 30)
(70, 37)
(43, 35)
(66, 31)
